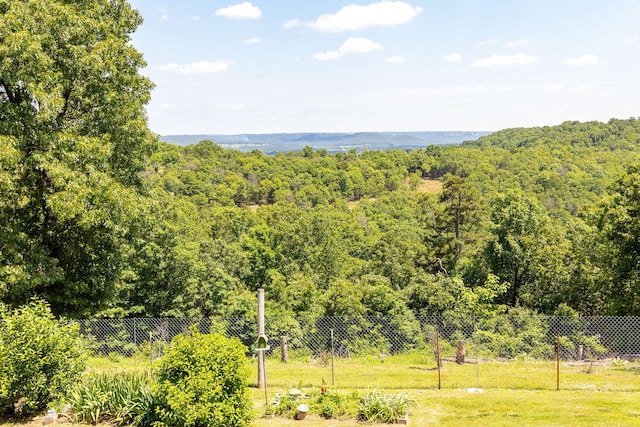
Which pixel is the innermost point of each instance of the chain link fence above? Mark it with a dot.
(519, 336)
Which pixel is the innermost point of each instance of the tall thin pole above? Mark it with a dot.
(266, 392)
(558, 362)
(332, 361)
(261, 373)
(150, 353)
(439, 359)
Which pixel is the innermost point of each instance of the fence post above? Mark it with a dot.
(461, 352)
(580, 351)
(284, 349)
(439, 361)
(332, 363)
(261, 374)
(150, 352)
(558, 362)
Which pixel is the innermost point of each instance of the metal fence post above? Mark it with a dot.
(558, 362)
(332, 360)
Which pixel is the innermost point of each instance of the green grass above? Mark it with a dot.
(514, 393)
(415, 372)
(500, 407)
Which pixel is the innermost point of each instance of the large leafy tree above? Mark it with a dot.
(526, 252)
(73, 139)
(618, 219)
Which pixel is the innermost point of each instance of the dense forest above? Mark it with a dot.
(541, 219)
(101, 219)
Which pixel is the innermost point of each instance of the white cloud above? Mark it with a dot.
(631, 40)
(240, 11)
(359, 45)
(517, 43)
(202, 67)
(254, 40)
(164, 17)
(395, 59)
(454, 57)
(356, 17)
(583, 61)
(351, 45)
(195, 18)
(328, 56)
(486, 42)
(500, 60)
(292, 23)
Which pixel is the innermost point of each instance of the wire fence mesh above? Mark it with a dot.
(518, 336)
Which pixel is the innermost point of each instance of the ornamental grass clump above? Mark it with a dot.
(124, 399)
(385, 408)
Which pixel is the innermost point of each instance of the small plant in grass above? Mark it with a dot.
(335, 405)
(286, 407)
(123, 399)
(385, 408)
(331, 404)
(40, 358)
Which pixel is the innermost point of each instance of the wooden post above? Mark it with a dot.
(461, 352)
(261, 373)
(284, 349)
(580, 351)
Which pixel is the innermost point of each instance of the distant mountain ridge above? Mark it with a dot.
(332, 142)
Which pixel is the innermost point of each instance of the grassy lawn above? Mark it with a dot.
(500, 407)
(419, 372)
(513, 393)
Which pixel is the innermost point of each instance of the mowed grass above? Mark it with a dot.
(483, 394)
(498, 407)
(488, 393)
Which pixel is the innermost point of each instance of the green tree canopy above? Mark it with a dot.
(73, 138)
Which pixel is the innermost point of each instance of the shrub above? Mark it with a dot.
(123, 399)
(202, 381)
(40, 358)
(519, 334)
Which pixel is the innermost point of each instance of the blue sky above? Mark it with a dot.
(270, 66)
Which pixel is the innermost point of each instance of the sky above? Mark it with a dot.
(280, 66)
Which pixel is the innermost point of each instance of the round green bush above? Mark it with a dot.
(40, 358)
(202, 381)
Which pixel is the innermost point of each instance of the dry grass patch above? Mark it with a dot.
(352, 204)
(430, 186)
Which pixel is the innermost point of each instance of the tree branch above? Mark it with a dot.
(67, 96)
(13, 98)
